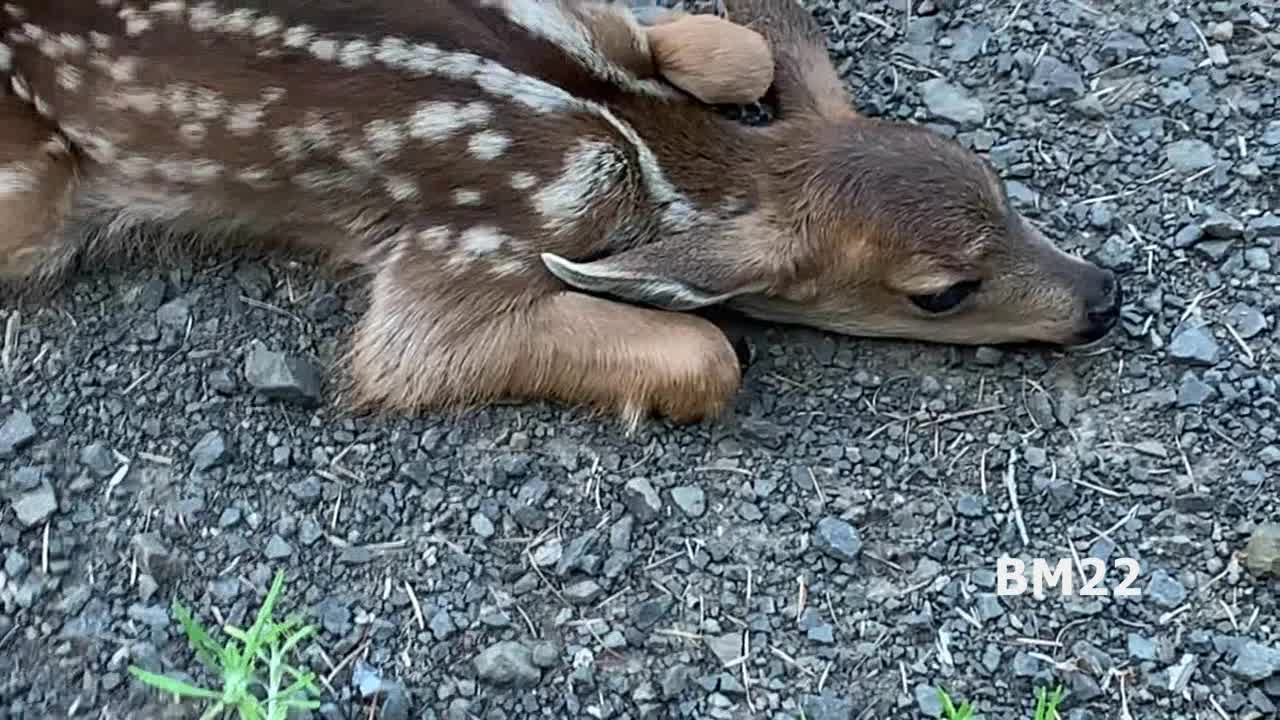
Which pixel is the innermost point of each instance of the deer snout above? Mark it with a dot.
(1102, 306)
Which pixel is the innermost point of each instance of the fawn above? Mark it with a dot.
(539, 191)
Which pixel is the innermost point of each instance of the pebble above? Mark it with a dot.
(441, 625)
(1192, 391)
(826, 706)
(1246, 320)
(277, 548)
(837, 539)
(545, 654)
(1164, 590)
(1268, 225)
(641, 499)
(35, 506)
(1140, 648)
(507, 664)
(174, 314)
(1262, 553)
(1221, 226)
(583, 592)
(1188, 156)
(928, 701)
(1193, 342)
(210, 451)
(98, 460)
(1053, 79)
(482, 525)
(1256, 662)
(282, 377)
(690, 499)
(952, 103)
(727, 647)
(17, 432)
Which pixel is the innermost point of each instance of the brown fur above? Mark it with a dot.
(493, 208)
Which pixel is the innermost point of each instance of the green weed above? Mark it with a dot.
(1046, 706)
(240, 662)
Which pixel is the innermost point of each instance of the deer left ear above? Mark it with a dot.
(671, 281)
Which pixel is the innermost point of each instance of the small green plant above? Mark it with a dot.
(1046, 706)
(950, 711)
(239, 664)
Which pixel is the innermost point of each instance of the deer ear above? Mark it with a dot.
(653, 278)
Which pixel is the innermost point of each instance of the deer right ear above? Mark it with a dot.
(653, 278)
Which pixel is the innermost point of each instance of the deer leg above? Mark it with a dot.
(418, 350)
(37, 177)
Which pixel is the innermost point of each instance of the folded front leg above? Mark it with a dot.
(427, 344)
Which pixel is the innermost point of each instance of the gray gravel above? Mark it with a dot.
(169, 432)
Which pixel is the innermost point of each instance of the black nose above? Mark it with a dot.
(1104, 310)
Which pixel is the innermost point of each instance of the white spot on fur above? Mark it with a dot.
(193, 133)
(386, 137)
(256, 177)
(42, 107)
(15, 12)
(6, 58)
(435, 121)
(35, 32)
(123, 69)
(590, 167)
(488, 144)
(401, 188)
(355, 54)
(245, 119)
(266, 26)
(239, 21)
(466, 197)
(508, 267)
(272, 94)
(325, 50)
(135, 167)
(209, 104)
(298, 36)
(17, 178)
(523, 180)
(179, 99)
(174, 9)
(482, 240)
(203, 17)
(100, 41)
(435, 239)
(143, 101)
(136, 22)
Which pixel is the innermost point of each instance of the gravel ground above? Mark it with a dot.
(829, 552)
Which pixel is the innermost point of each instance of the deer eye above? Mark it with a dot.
(948, 299)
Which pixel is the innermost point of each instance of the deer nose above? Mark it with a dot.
(1103, 309)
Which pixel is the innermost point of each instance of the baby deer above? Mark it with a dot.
(538, 190)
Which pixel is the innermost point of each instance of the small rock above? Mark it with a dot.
(837, 539)
(154, 557)
(210, 451)
(826, 707)
(726, 647)
(282, 377)
(98, 460)
(1246, 320)
(928, 701)
(1117, 254)
(35, 506)
(1256, 662)
(1141, 648)
(988, 356)
(1221, 226)
(1053, 79)
(1188, 156)
(1165, 591)
(1192, 391)
(1262, 553)
(17, 432)
(1268, 225)
(1193, 342)
(583, 592)
(545, 654)
(507, 663)
(441, 625)
(690, 499)
(952, 103)
(174, 314)
(1257, 258)
(277, 548)
(641, 499)
(482, 525)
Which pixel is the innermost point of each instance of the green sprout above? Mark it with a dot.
(238, 664)
(1046, 706)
